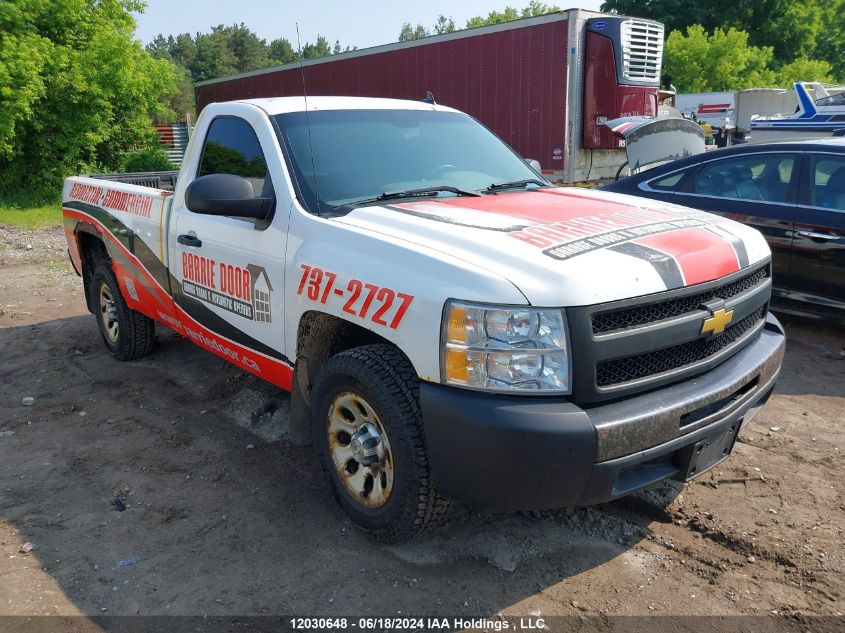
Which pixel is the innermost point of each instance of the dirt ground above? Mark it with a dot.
(223, 516)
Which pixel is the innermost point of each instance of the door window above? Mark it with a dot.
(828, 182)
(668, 183)
(231, 147)
(756, 177)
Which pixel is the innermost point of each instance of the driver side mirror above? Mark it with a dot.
(227, 194)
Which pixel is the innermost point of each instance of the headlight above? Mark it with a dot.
(506, 349)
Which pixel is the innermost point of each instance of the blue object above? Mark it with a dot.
(130, 560)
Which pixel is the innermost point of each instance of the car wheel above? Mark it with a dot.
(128, 334)
(368, 433)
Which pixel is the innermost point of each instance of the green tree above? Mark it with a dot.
(508, 14)
(830, 42)
(161, 46)
(676, 15)
(215, 57)
(76, 89)
(793, 29)
(228, 50)
(802, 69)
(535, 8)
(184, 50)
(153, 158)
(281, 52)
(409, 33)
(249, 50)
(446, 24)
(443, 25)
(700, 62)
(320, 48)
(179, 100)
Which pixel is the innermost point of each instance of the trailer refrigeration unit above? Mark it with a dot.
(548, 85)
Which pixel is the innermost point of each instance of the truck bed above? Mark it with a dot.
(162, 180)
(129, 217)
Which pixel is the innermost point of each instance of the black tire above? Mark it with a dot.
(134, 336)
(383, 377)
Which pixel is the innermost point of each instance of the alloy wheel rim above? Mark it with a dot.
(360, 450)
(108, 313)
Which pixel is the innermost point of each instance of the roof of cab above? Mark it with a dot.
(283, 105)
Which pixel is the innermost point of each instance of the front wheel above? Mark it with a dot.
(368, 434)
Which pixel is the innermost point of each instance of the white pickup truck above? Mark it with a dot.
(450, 325)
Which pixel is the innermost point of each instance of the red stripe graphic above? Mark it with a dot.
(161, 295)
(544, 205)
(701, 255)
(714, 108)
(143, 300)
(168, 313)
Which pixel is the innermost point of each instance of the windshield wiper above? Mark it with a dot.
(516, 184)
(423, 192)
(426, 191)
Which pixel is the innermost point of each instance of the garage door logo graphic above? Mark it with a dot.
(246, 292)
(261, 289)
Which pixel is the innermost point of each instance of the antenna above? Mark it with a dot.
(308, 120)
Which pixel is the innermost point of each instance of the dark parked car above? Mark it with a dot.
(794, 193)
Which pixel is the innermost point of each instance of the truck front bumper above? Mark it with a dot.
(535, 453)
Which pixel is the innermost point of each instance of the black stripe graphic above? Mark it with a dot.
(737, 243)
(126, 237)
(455, 221)
(664, 264)
(193, 307)
(217, 324)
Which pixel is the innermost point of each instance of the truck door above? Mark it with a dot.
(228, 273)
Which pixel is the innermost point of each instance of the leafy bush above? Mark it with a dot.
(148, 159)
(77, 90)
(699, 61)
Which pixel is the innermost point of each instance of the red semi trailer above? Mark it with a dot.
(547, 85)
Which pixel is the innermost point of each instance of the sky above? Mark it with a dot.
(362, 23)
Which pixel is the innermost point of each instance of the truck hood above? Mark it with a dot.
(571, 247)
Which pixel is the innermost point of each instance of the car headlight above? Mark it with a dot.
(505, 349)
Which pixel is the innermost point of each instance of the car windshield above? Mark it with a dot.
(358, 155)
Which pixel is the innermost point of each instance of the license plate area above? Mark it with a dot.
(700, 457)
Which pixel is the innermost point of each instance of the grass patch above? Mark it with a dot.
(32, 217)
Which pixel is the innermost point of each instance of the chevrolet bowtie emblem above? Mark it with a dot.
(717, 323)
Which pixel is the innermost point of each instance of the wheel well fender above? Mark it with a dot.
(91, 248)
(319, 336)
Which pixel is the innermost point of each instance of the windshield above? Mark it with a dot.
(359, 155)
(837, 99)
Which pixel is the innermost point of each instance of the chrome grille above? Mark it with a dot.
(623, 370)
(641, 315)
(642, 50)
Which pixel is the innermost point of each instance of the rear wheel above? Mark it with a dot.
(368, 434)
(128, 334)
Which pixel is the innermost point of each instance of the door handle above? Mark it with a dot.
(825, 237)
(189, 240)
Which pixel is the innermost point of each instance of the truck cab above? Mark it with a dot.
(449, 324)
